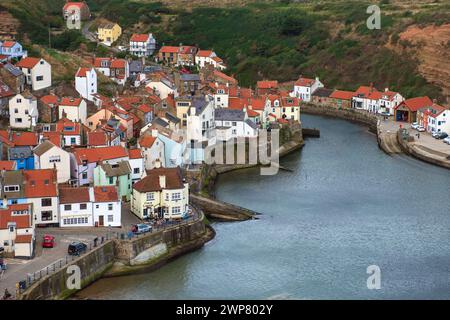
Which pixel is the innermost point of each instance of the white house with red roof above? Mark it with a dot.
(152, 148)
(86, 83)
(142, 45)
(37, 71)
(23, 111)
(17, 235)
(389, 100)
(119, 71)
(74, 109)
(75, 12)
(136, 164)
(48, 156)
(107, 206)
(12, 49)
(204, 57)
(434, 119)
(84, 161)
(305, 87)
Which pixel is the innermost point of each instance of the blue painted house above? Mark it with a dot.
(12, 49)
(23, 156)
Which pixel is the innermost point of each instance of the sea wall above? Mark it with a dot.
(125, 256)
(353, 115)
(54, 286)
(423, 153)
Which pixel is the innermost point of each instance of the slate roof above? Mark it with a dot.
(174, 180)
(115, 170)
(229, 115)
(43, 148)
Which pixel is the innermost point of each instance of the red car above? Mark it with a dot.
(49, 241)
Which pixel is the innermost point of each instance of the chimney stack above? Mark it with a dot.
(162, 182)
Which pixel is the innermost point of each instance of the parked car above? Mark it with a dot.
(77, 248)
(415, 125)
(442, 135)
(49, 241)
(141, 228)
(435, 134)
(447, 140)
(420, 129)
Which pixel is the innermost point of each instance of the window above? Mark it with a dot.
(11, 229)
(39, 78)
(53, 159)
(84, 175)
(111, 180)
(47, 202)
(176, 196)
(150, 196)
(176, 210)
(110, 218)
(18, 101)
(110, 206)
(97, 206)
(6, 243)
(11, 188)
(234, 123)
(26, 111)
(73, 140)
(136, 170)
(18, 120)
(83, 206)
(67, 207)
(46, 215)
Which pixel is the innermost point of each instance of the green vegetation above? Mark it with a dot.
(278, 40)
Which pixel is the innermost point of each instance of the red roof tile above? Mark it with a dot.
(71, 102)
(267, 84)
(417, 103)
(118, 63)
(53, 137)
(97, 138)
(106, 194)
(99, 154)
(82, 72)
(204, 53)
(168, 49)
(145, 108)
(135, 154)
(98, 62)
(5, 91)
(139, 37)
(7, 165)
(22, 221)
(50, 100)
(343, 95)
(28, 62)
(9, 44)
(68, 127)
(147, 141)
(225, 77)
(74, 195)
(304, 82)
(40, 183)
(77, 4)
(24, 238)
(24, 139)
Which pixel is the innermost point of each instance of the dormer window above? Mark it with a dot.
(33, 183)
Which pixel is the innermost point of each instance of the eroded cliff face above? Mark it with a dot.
(431, 45)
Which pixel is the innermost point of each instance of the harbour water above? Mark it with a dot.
(346, 206)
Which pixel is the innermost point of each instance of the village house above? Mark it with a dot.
(388, 101)
(366, 98)
(48, 108)
(49, 156)
(145, 113)
(152, 148)
(321, 97)
(96, 139)
(142, 45)
(37, 71)
(266, 87)
(12, 49)
(115, 174)
(64, 133)
(109, 33)
(75, 12)
(76, 207)
(103, 65)
(163, 87)
(17, 235)
(90, 206)
(305, 87)
(5, 94)
(86, 83)
(119, 71)
(163, 193)
(406, 111)
(188, 84)
(38, 187)
(21, 150)
(231, 124)
(136, 164)
(23, 111)
(74, 109)
(221, 95)
(340, 99)
(204, 57)
(13, 77)
(125, 119)
(186, 55)
(168, 55)
(84, 161)
(434, 119)
(107, 207)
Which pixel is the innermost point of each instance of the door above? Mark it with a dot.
(100, 221)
